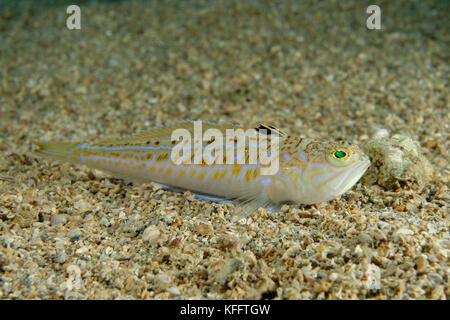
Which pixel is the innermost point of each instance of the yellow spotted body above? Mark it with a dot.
(307, 173)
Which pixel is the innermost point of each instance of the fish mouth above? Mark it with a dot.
(359, 169)
(366, 165)
(347, 182)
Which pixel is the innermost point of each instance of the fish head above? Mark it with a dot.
(320, 171)
(331, 169)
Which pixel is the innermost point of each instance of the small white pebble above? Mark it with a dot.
(164, 280)
(381, 133)
(298, 123)
(81, 205)
(174, 291)
(60, 243)
(404, 231)
(58, 219)
(151, 235)
(104, 222)
(358, 250)
(122, 215)
(334, 276)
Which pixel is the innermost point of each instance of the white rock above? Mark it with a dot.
(151, 235)
(404, 231)
(381, 133)
(58, 219)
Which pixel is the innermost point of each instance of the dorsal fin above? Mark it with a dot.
(271, 129)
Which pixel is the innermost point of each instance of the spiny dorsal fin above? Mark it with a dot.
(269, 129)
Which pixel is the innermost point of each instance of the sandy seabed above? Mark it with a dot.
(312, 69)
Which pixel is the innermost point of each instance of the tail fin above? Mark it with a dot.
(58, 150)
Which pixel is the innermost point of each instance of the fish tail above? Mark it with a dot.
(58, 150)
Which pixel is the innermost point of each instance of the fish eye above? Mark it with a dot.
(339, 154)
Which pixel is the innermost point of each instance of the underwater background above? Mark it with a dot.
(311, 68)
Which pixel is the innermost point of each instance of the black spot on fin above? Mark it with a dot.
(269, 129)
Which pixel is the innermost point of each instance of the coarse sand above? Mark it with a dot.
(311, 68)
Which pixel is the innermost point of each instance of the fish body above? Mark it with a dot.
(308, 171)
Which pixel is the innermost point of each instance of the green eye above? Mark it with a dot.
(339, 154)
